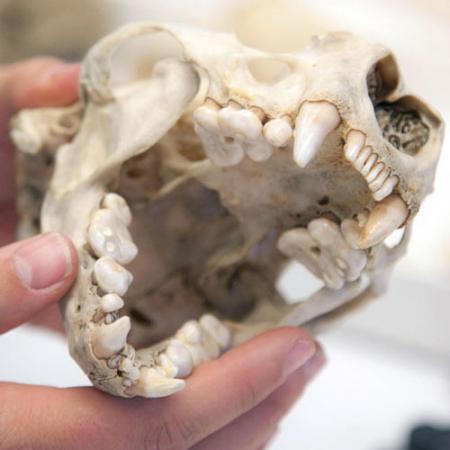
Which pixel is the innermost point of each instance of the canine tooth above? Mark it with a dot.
(373, 158)
(379, 180)
(219, 151)
(111, 302)
(180, 356)
(239, 123)
(362, 158)
(151, 384)
(374, 172)
(112, 277)
(259, 151)
(219, 332)
(118, 206)
(108, 236)
(354, 143)
(388, 215)
(107, 340)
(169, 368)
(386, 189)
(206, 116)
(278, 132)
(312, 125)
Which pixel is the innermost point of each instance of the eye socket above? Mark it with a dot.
(382, 79)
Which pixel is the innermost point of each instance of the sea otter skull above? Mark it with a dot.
(205, 178)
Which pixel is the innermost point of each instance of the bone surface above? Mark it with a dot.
(186, 193)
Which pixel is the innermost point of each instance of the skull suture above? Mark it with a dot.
(204, 179)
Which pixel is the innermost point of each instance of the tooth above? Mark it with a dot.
(111, 302)
(386, 189)
(353, 144)
(373, 158)
(151, 384)
(180, 356)
(112, 277)
(362, 158)
(218, 150)
(108, 236)
(118, 206)
(379, 180)
(219, 332)
(374, 172)
(259, 151)
(206, 116)
(388, 215)
(351, 232)
(190, 333)
(131, 371)
(107, 340)
(240, 123)
(169, 368)
(313, 124)
(278, 132)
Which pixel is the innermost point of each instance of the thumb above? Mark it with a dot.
(35, 273)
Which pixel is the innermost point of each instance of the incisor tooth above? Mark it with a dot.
(362, 158)
(180, 356)
(107, 340)
(373, 158)
(353, 144)
(112, 277)
(219, 332)
(278, 132)
(312, 125)
(374, 172)
(239, 123)
(379, 180)
(386, 189)
(388, 215)
(152, 384)
(118, 206)
(111, 302)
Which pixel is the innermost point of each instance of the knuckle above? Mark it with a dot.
(167, 434)
(248, 395)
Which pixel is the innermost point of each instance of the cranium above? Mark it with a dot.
(186, 194)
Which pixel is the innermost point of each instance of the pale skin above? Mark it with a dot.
(235, 402)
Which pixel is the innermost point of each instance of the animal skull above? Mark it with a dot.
(205, 178)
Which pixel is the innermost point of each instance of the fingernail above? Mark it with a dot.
(43, 261)
(314, 365)
(302, 350)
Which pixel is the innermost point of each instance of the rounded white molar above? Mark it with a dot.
(108, 236)
(259, 151)
(168, 367)
(240, 123)
(107, 340)
(278, 132)
(207, 116)
(152, 384)
(363, 156)
(379, 180)
(217, 330)
(387, 188)
(111, 276)
(190, 333)
(178, 353)
(111, 302)
(118, 206)
(374, 172)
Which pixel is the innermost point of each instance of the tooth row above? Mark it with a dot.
(367, 162)
(231, 132)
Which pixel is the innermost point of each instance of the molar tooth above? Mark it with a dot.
(219, 332)
(373, 158)
(206, 116)
(259, 151)
(386, 189)
(152, 384)
(278, 132)
(379, 180)
(169, 368)
(180, 356)
(118, 206)
(108, 236)
(107, 340)
(240, 123)
(190, 333)
(112, 277)
(388, 215)
(354, 143)
(111, 302)
(374, 172)
(362, 158)
(312, 125)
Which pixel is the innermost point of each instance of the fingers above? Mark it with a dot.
(35, 273)
(253, 429)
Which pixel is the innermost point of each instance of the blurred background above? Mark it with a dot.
(389, 364)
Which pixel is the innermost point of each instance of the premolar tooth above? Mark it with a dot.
(152, 384)
(169, 368)
(379, 180)
(107, 340)
(180, 356)
(353, 144)
(112, 277)
(206, 116)
(362, 158)
(108, 236)
(118, 206)
(374, 172)
(373, 158)
(239, 123)
(313, 124)
(386, 189)
(278, 132)
(111, 302)
(388, 215)
(259, 151)
(190, 333)
(219, 332)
